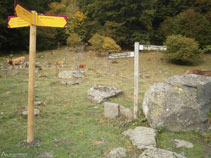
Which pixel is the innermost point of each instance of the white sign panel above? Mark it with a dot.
(152, 48)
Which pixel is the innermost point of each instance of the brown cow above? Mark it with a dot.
(16, 61)
(82, 66)
(60, 63)
(199, 72)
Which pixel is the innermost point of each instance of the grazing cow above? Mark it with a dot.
(60, 63)
(16, 61)
(199, 72)
(82, 66)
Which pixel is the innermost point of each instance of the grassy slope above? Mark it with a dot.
(70, 125)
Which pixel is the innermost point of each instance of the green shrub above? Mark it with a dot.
(182, 50)
(74, 40)
(190, 24)
(206, 49)
(109, 45)
(97, 41)
(104, 44)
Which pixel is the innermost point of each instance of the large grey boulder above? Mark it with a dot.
(98, 93)
(159, 153)
(181, 103)
(142, 137)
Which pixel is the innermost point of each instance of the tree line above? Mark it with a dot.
(145, 21)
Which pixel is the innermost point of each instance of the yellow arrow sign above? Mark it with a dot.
(24, 13)
(14, 22)
(52, 20)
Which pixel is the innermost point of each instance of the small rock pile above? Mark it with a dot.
(113, 110)
(145, 138)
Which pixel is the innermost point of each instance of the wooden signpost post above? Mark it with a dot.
(27, 18)
(138, 47)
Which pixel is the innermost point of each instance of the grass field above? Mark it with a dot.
(72, 126)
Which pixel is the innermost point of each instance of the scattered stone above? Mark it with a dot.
(36, 112)
(25, 144)
(71, 82)
(180, 104)
(8, 92)
(142, 137)
(71, 74)
(26, 64)
(26, 80)
(111, 110)
(46, 155)
(117, 153)
(47, 64)
(126, 112)
(19, 67)
(37, 65)
(182, 143)
(42, 56)
(159, 153)
(99, 93)
(39, 103)
(77, 74)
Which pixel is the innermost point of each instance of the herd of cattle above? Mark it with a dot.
(21, 60)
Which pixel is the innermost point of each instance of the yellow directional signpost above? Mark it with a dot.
(52, 21)
(27, 18)
(15, 22)
(24, 13)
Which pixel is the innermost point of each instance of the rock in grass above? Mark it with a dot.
(39, 103)
(142, 137)
(183, 144)
(36, 112)
(71, 82)
(71, 74)
(117, 153)
(126, 112)
(159, 153)
(180, 104)
(111, 110)
(98, 93)
(46, 155)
